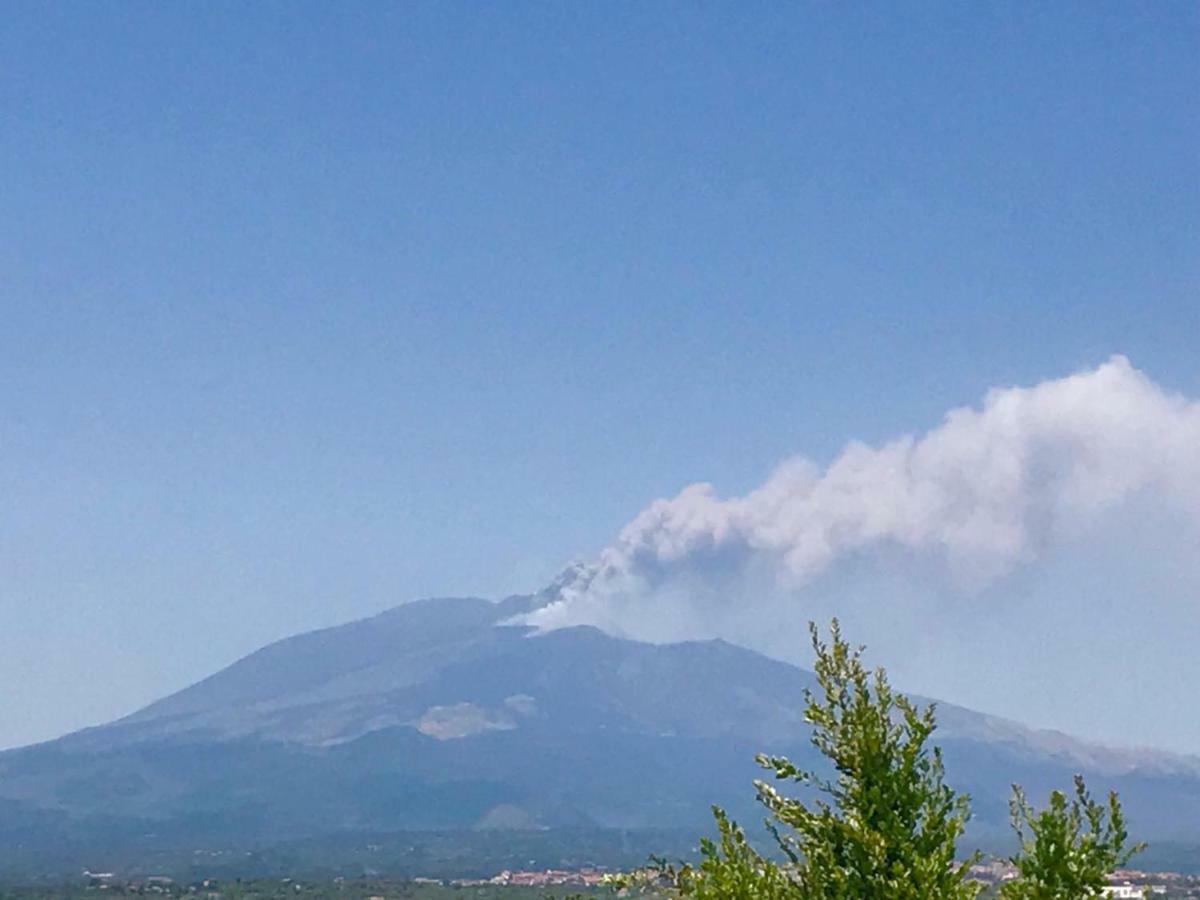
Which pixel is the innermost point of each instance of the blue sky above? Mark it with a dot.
(310, 309)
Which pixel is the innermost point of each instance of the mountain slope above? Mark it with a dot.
(437, 715)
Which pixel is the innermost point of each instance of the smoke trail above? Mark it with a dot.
(973, 500)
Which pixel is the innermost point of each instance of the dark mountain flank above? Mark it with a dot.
(437, 718)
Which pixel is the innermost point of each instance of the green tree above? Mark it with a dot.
(730, 869)
(1069, 848)
(887, 825)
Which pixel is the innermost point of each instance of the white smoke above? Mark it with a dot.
(975, 499)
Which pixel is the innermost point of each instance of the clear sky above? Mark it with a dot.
(309, 309)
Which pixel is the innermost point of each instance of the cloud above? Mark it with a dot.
(982, 496)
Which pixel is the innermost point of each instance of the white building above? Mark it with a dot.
(1133, 891)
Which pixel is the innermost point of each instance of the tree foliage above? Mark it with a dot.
(886, 824)
(1069, 848)
(883, 823)
(890, 824)
(730, 869)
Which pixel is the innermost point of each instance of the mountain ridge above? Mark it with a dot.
(954, 719)
(442, 714)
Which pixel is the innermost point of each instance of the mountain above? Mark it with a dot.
(438, 718)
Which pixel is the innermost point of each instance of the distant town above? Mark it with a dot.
(509, 884)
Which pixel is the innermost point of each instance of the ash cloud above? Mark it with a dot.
(978, 499)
